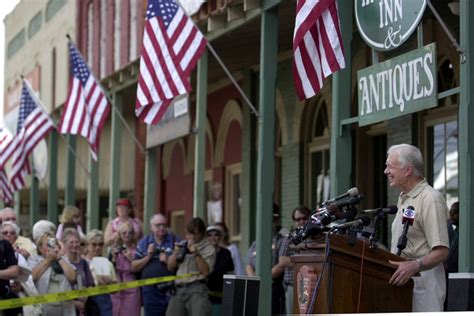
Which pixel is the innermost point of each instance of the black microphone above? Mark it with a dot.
(407, 220)
(351, 192)
(361, 221)
(392, 209)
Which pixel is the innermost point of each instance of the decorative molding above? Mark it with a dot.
(231, 112)
(167, 154)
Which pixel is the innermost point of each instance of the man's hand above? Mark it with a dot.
(405, 271)
(150, 250)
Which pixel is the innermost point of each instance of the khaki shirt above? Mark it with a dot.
(189, 265)
(429, 228)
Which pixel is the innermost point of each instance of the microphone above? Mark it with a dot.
(351, 192)
(392, 209)
(407, 220)
(361, 221)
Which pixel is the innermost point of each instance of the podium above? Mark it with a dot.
(355, 279)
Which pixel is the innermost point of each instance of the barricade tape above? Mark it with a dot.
(90, 291)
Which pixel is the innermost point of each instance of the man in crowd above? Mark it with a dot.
(223, 265)
(196, 257)
(300, 217)
(9, 270)
(278, 264)
(151, 261)
(24, 245)
(428, 243)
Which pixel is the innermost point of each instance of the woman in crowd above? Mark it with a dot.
(126, 302)
(70, 218)
(52, 273)
(71, 241)
(125, 214)
(101, 268)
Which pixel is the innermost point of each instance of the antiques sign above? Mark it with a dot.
(386, 24)
(398, 86)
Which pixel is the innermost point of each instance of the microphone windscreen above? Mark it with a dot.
(393, 209)
(353, 191)
(365, 220)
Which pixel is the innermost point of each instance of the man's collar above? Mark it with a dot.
(416, 189)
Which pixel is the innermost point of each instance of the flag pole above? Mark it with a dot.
(38, 101)
(226, 70)
(127, 127)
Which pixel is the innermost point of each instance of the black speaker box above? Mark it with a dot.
(240, 295)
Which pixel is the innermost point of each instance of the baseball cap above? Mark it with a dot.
(214, 227)
(125, 202)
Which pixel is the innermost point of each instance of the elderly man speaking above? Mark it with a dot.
(428, 243)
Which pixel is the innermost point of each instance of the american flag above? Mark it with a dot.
(5, 148)
(172, 45)
(33, 125)
(317, 45)
(86, 106)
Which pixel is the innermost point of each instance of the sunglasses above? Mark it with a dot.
(299, 219)
(101, 244)
(5, 232)
(213, 235)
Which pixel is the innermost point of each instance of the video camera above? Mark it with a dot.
(341, 207)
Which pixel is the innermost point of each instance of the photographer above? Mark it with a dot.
(196, 257)
(52, 273)
(150, 261)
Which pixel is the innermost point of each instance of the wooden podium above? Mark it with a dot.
(342, 287)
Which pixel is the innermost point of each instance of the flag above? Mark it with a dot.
(5, 148)
(86, 106)
(172, 45)
(33, 125)
(317, 45)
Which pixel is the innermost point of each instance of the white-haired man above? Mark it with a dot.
(428, 243)
(22, 244)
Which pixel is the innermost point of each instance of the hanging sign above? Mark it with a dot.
(401, 85)
(387, 24)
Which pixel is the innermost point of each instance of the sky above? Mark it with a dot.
(6, 6)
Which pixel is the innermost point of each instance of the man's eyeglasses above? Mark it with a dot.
(5, 232)
(160, 225)
(300, 219)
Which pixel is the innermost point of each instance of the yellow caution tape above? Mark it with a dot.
(90, 291)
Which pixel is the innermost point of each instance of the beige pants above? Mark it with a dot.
(430, 290)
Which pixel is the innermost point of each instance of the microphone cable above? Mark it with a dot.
(309, 310)
(360, 274)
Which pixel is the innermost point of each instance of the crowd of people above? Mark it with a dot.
(58, 259)
(63, 258)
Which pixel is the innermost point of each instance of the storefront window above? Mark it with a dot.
(318, 158)
(444, 154)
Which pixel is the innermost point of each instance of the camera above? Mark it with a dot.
(167, 250)
(183, 244)
(120, 248)
(52, 243)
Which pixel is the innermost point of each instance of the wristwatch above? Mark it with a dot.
(420, 264)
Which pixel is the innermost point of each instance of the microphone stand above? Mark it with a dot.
(378, 218)
(402, 241)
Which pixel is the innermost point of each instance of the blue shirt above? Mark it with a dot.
(155, 268)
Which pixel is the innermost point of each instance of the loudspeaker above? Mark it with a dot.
(240, 295)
